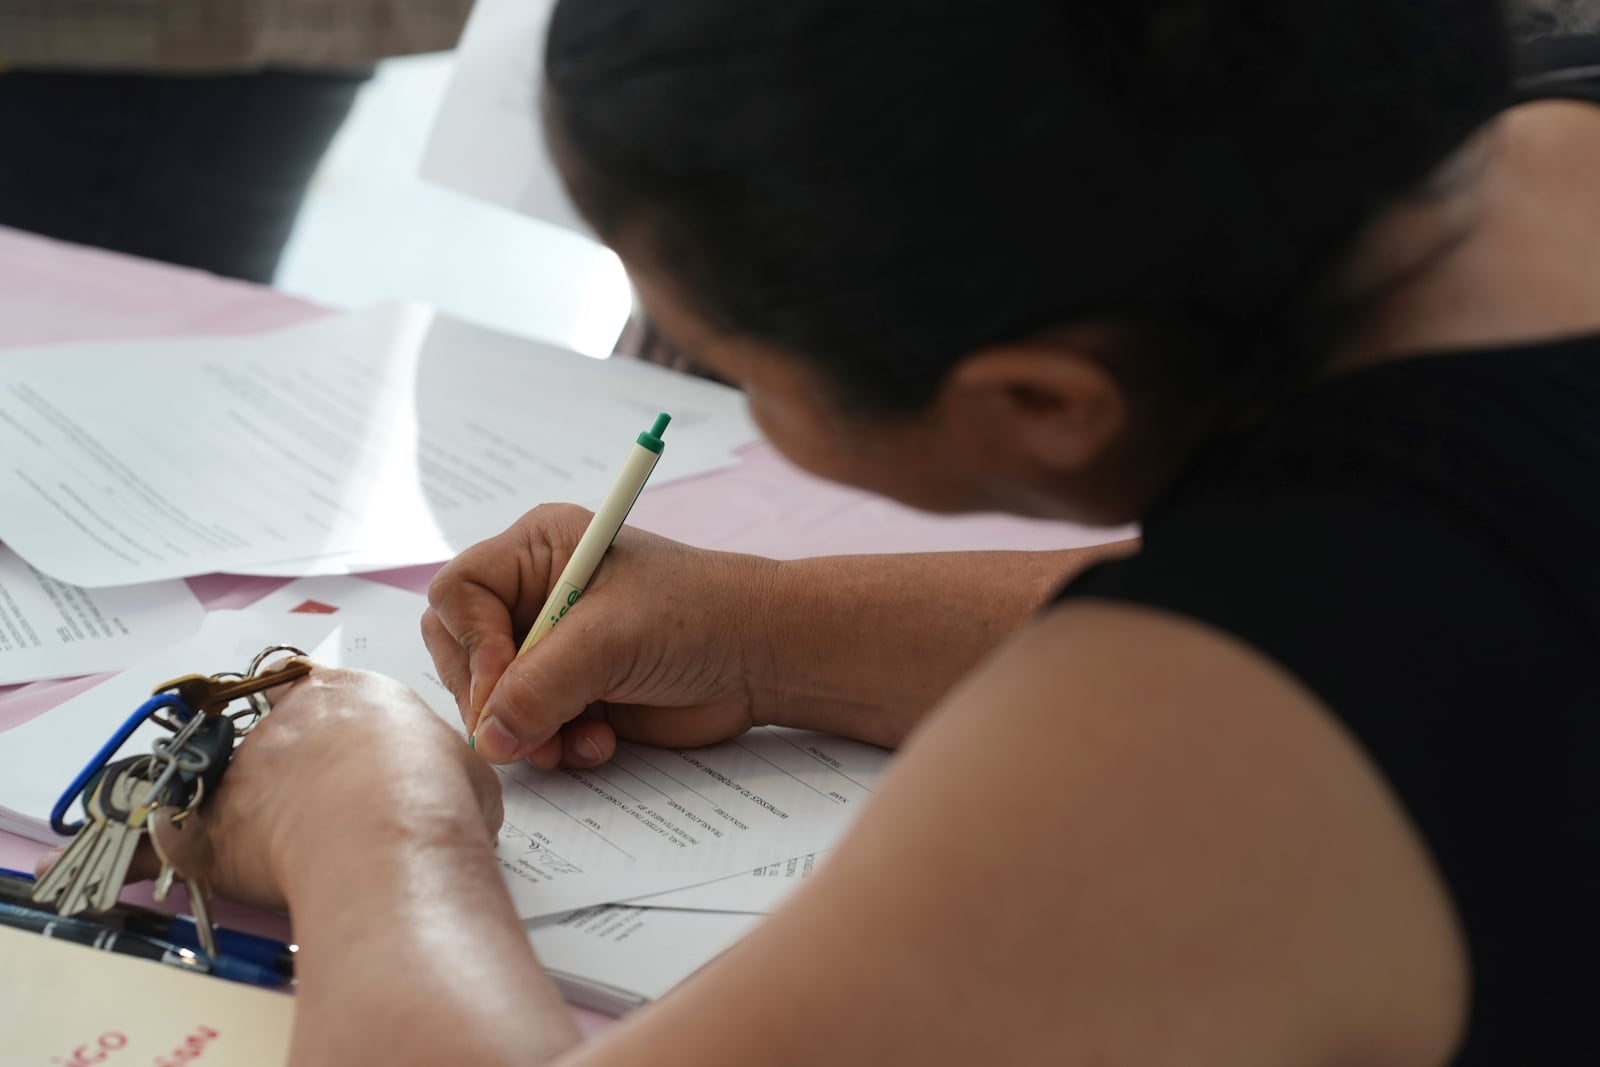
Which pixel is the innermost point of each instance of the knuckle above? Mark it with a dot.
(565, 518)
(434, 634)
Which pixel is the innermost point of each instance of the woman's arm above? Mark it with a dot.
(410, 951)
(674, 645)
(865, 646)
(1125, 839)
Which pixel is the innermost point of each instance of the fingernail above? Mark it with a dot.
(472, 695)
(495, 743)
(587, 750)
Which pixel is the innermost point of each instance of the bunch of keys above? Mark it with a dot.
(120, 798)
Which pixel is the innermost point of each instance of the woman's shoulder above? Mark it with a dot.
(1372, 533)
(1415, 547)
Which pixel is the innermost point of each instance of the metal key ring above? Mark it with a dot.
(261, 657)
(189, 808)
(260, 707)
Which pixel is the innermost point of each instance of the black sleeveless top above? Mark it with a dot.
(1419, 543)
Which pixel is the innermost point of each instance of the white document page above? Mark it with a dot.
(613, 958)
(42, 756)
(488, 140)
(761, 891)
(354, 442)
(650, 821)
(49, 629)
(765, 888)
(337, 593)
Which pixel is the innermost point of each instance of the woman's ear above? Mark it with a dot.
(1046, 407)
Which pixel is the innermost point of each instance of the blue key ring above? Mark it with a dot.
(58, 814)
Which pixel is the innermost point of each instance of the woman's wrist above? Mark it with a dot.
(809, 665)
(357, 842)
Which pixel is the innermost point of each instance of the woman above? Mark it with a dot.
(1300, 782)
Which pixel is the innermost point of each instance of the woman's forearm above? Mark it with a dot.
(411, 953)
(863, 646)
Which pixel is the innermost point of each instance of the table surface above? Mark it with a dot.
(53, 293)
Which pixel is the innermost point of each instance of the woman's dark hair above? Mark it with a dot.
(886, 185)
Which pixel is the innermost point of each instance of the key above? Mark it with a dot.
(212, 743)
(189, 790)
(178, 774)
(106, 833)
(107, 871)
(200, 908)
(209, 696)
(84, 843)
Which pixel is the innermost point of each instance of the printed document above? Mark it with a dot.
(614, 958)
(49, 629)
(364, 441)
(333, 594)
(761, 891)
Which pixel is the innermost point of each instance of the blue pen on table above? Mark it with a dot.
(108, 938)
(241, 957)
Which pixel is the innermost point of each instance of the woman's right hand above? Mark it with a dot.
(665, 647)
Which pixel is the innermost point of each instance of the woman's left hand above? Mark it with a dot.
(346, 760)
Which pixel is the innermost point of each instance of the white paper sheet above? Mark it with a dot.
(356, 442)
(650, 821)
(488, 140)
(39, 758)
(49, 629)
(349, 595)
(761, 891)
(614, 958)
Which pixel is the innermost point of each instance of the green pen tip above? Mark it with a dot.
(472, 739)
(661, 424)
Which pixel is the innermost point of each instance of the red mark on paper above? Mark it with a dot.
(84, 1055)
(192, 1048)
(313, 607)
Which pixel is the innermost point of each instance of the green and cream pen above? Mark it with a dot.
(603, 529)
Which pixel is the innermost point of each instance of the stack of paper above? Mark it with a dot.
(362, 442)
(698, 842)
(50, 629)
(357, 442)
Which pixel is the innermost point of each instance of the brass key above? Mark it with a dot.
(209, 695)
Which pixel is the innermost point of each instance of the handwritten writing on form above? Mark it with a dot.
(49, 629)
(657, 819)
(353, 442)
(650, 821)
